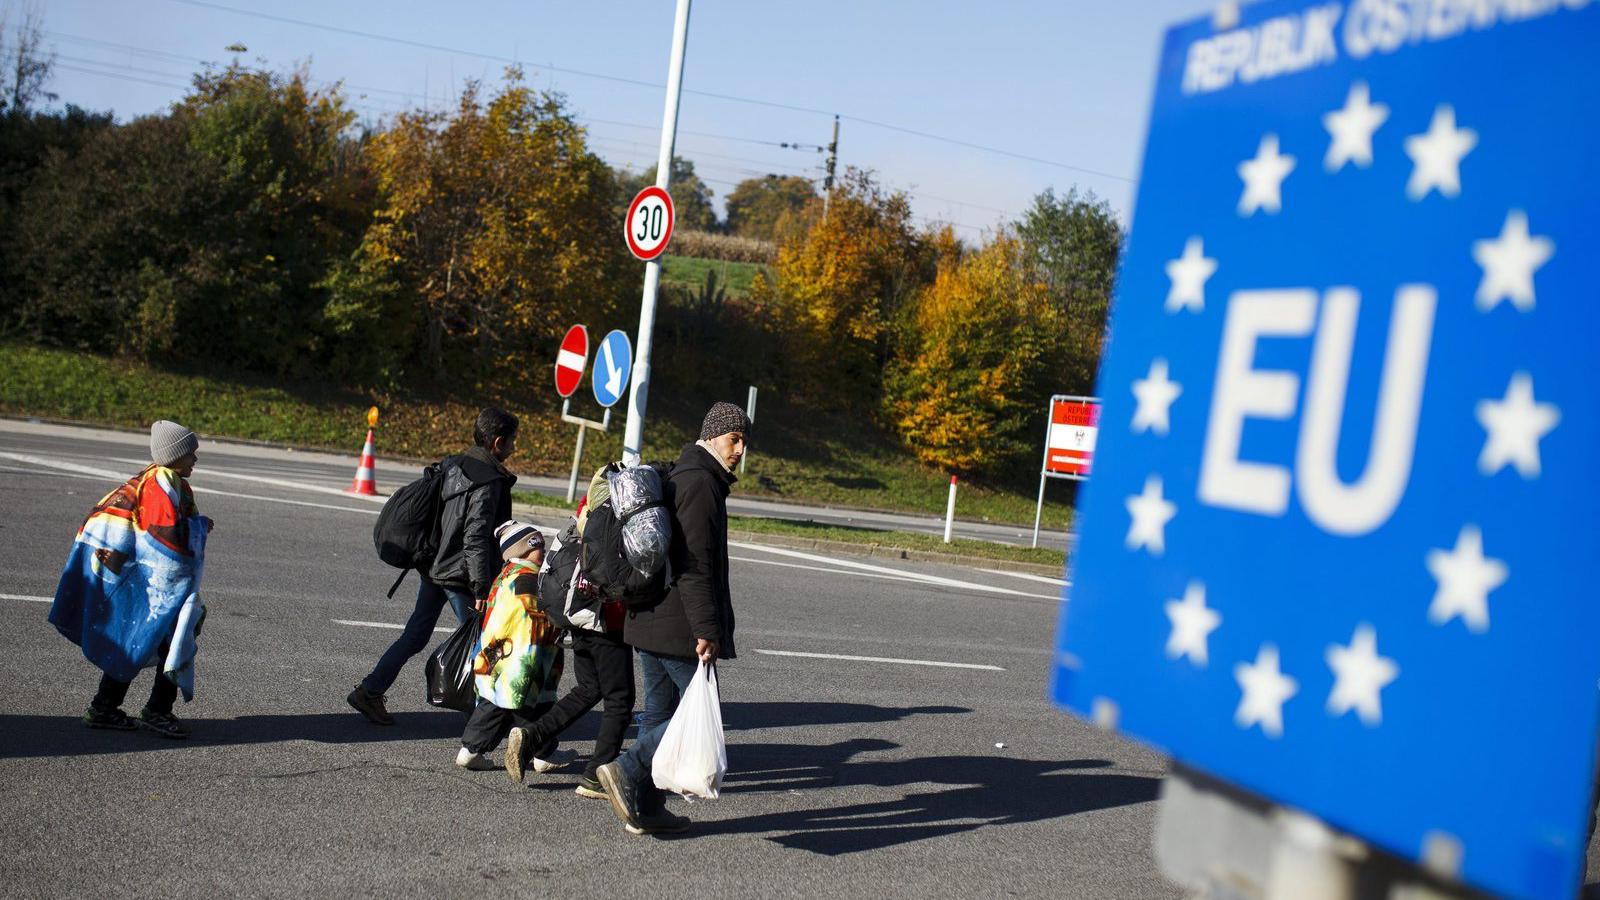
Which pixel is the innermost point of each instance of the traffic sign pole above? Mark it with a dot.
(749, 413)
(639, 395)
(577, 453)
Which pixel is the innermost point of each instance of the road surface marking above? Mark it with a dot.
(360, 624)
(275, 482)
(789, 565)
(27, 598)
(1044, 578)
(883, 659)
(867, 567)
(78, 471)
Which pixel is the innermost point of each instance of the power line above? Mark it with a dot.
(383, 110)
(121, 76)
(860, 120)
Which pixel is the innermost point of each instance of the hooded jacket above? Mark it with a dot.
(698, 603)
(475, 497)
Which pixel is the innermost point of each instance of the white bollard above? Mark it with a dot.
(950, 510)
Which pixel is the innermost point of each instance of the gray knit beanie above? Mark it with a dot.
(170, 442)
(723, 418)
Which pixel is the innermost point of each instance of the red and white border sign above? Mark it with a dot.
(571, 360)
(1069, 444)
(648, 225)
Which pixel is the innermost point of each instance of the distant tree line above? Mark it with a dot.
(256, 226)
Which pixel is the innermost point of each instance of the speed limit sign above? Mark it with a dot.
(649, 223)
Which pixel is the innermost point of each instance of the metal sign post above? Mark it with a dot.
(577, 453)
(639, 395)
(749, 413)
(1066, 455)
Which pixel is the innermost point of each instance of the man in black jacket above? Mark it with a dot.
(693, 622)
(475, 497)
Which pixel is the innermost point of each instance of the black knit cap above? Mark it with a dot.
(723, 418)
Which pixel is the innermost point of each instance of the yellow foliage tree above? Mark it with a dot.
(496, 225)
(963, 397)
(837, 289)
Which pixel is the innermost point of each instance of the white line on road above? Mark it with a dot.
(27, 598)
(275, 482)
(867, 567)
(789, 565)
(78, 471)
(360, 624)
(1044, 578)
(883, 659)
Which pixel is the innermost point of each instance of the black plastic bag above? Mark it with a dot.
(450, 680)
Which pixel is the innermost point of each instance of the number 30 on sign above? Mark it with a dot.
(649, 223)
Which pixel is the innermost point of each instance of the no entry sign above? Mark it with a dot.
(1074, 424)
(649, 223)
(571, 360)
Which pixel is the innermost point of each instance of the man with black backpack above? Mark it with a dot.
(474, 498)
(692, 623)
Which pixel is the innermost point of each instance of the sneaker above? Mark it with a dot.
(591, 788)
(556, 760)
(370, 705)
(474, 762)
(114, 719)
(622, 793)
(164, 724)
(661, 822)
(515, 739)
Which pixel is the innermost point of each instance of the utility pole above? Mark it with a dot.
(833, 162)
(639, 392)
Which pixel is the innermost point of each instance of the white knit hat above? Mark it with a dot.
(170, 442)
(517, 538)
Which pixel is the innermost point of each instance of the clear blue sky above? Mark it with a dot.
(1068, 82)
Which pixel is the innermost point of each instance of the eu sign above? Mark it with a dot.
(1339, 545)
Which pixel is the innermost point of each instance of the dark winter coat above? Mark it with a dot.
(698, 604)
(475, 498)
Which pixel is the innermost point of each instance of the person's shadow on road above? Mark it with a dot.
(981, 791)
(23, 736)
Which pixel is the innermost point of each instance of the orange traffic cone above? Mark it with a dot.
(364, 483)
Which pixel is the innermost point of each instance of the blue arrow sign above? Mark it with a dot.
(611, 367)
(1340, 541)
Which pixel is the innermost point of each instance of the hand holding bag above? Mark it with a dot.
(692, 757)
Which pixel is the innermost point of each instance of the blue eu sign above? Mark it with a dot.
(1340, 542)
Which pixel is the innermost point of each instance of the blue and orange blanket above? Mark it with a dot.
(130, 593)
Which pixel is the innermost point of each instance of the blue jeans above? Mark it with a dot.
(431, 599)
(665, 679)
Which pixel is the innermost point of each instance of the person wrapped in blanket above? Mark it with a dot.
(129, 595)
(518, 661)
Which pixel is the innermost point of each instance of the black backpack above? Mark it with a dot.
(604, 565)
(563, 594)
(407, 532)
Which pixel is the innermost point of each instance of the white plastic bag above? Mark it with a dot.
(692, 758)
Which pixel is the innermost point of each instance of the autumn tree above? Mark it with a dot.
(965, 394)
(756, 206)
(837, 289)
(495, 230)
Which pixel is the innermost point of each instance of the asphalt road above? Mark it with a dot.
(848, 777)
(333, 472)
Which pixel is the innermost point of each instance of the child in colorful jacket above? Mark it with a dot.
(129, 594)
(518, 660)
